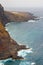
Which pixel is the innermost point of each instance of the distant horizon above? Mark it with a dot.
(21, 3)
(22, 8)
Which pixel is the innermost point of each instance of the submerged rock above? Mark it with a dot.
(8, 46)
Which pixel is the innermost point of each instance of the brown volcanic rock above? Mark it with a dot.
(4, 42)
(19, 16)
(8, 46)
(7, 17)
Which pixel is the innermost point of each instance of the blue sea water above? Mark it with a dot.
(31, 34)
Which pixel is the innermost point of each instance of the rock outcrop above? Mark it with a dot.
(3, 17)
(7, 17)
(19, 16)
(8, 46)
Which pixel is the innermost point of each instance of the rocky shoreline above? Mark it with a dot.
(7, 16)
(8, 47)
(19, 16)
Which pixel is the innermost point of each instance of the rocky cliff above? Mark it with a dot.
(19, 16)
(6, 16)
(8, 46)
(3, 17)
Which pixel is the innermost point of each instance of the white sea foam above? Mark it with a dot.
(31, 21)
(1, 63)
(23, 53)
(6, 29)
(7, 24)
(33, 63)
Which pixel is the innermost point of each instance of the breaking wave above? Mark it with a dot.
(22, 53)
(31, 21)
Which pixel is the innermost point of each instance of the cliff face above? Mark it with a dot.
(7, 17)
(3, 17)
(19, 16)
(4, 42)
(8, 46)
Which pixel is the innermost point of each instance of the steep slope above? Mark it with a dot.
(3, 17)
(6, 16)
(8, 46)
(19, 16)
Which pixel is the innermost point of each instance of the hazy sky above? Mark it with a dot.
(22, 3)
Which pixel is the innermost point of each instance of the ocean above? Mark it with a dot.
(29, 33)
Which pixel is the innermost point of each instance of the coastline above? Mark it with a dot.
(19, 16)
(8, 16)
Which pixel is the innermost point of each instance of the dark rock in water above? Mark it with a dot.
(8, 46)
(6, 16)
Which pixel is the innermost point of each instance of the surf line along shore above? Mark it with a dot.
(8, 46)
(8, 16)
